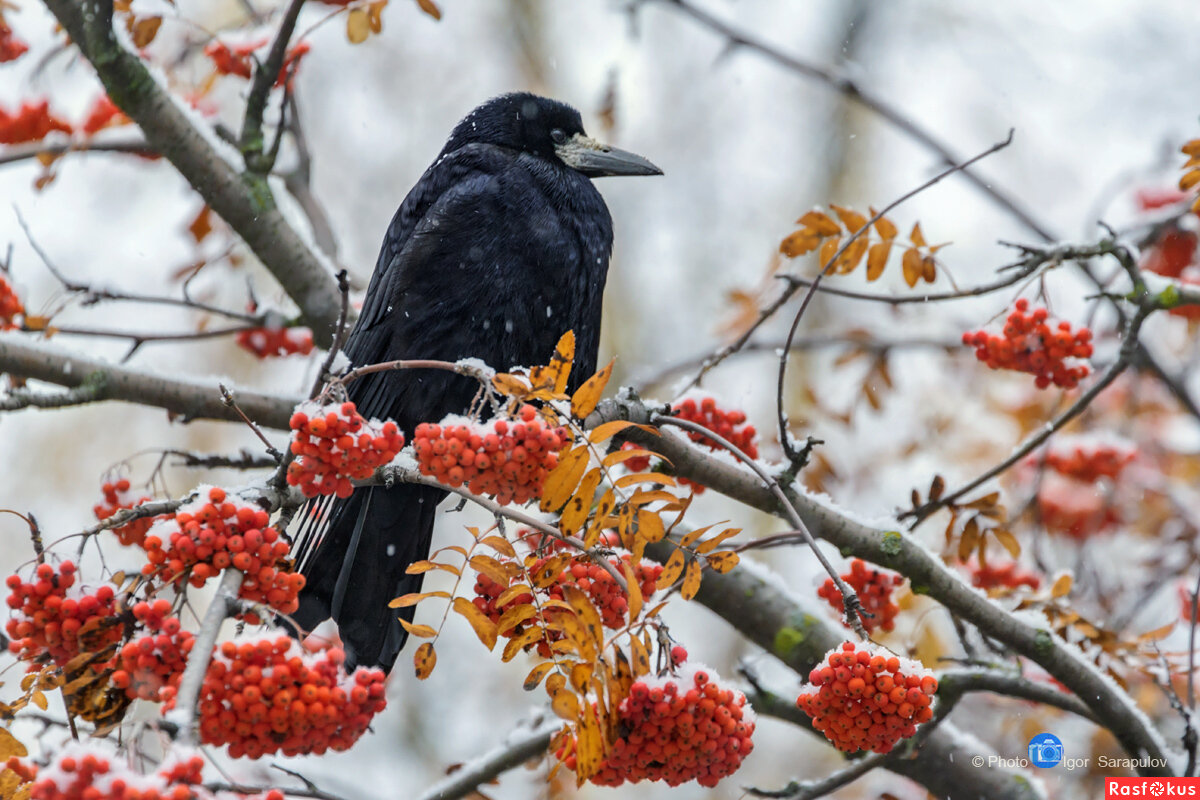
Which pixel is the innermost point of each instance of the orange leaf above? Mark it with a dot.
(425, 659)
(640, 656)
(911, 265)
(566, 705)
(607, 430)
(412, 598)
(1061, 587)
(418, 567)
(10, 746)
(854, 253)
(884, 227)
(490, 567)
(619, 456)
(584, 401)
(635, 591)
(644, 477)
(561, 482)
(1189, 180)
(916, 237)
(691, 581)
(828, 250)
(430, 8)
(536, 674)
(928, 269)
(850, 218)
(143, 29)
(358, 25)
(799, 243)
(423, 631)
(723, 561)
(500, 545)
(375, 15)
(820, 223)
(511, 593)
(484, 628)
(575, 513)
(877, 259)
(671, 570)
(201, 226)
(514, 616)
(711, 544)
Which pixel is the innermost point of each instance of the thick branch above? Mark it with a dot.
(1115, 710)
(241, 199)
(190, 398)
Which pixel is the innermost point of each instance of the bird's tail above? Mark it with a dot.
(358, 566)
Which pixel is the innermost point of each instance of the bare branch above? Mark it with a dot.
(243, 200)
(190, 398)
(520, 747)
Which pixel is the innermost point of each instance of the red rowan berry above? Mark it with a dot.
(874, 589)
(1028, 344)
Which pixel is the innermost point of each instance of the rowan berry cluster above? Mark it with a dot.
(874, 589)
(31, 123)
(206, 537)
(508, 459)
(677, 728)
(1074, 508)
(1009, 576)
(1028, 344)
(148, 664)
(334, 445)
(863, 699)
(53, 620)
(268, 694)
(605, 593)
(730, 425)
(10, 304)
(117, 497)
(11, 48)
(272, 342)
(238, 59)
(1089, 460)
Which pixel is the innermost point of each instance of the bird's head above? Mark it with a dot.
(547, 129)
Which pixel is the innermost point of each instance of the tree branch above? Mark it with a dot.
(520, 747)
(190, 398)
(891, 549)
(243, 200)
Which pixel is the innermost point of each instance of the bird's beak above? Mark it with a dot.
(596, 159)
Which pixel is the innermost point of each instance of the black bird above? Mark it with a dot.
(500, 248)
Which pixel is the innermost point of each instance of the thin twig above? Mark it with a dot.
(339, 334)
(850, 601)
(785, 438)
(228, 399)
(520, 747)
(29, 152)
(265, 75)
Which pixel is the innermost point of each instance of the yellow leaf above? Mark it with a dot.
(619, 456)
(590, 635)
(671, 570)
(641, 656)
(850, 218)
(584, 401)
(516, 615)
(711, 544)
(1157, 633)
(877, 259)
(490, 567)
(635, 591)
(412, 598)
(650, 526)
(652, 613)
(511, 593)
(424, 660)
(916, 237)
(564, 478)
(819, 223)
(484, 628)
(566, 705)
(694, 536)
(509, 385)
(547, 574)
(422, 631)
(606, 431)
(643, 477)
(1062, 586)
(536, 674)
(969, 540)
(854, 253)
(500, 545)
(581, 675)
(430, 8)
(691, 581)
(1191, 148)
(358, 25)
(723, 561)
(911, 266)
(556, 373)
(575, 513)
(10, 746)
(1189, 180)
(520, 641)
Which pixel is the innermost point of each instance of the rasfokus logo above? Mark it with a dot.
(1151, 787)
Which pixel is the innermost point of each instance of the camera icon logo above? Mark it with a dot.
(1045, 750)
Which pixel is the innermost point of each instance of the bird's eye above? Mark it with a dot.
(558, 136)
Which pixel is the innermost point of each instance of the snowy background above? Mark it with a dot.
(1100, 95)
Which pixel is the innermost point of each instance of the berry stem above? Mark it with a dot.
(224, 603)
